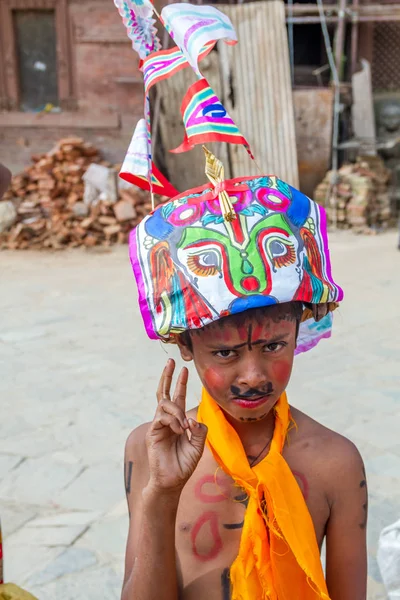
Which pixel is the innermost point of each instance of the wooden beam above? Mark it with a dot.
(362, 13)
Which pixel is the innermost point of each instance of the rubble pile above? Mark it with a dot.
(362, 199)
(69, 197)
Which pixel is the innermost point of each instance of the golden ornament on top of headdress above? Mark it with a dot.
(215, 173)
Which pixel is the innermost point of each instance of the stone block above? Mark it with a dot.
(386, 464)
(46, 536)
(8, 215)
(72, 560)
(7, 463)
(37, 480)
(90, 584)
(109, 536)
(13, 516)
(97, 488)
(21, 562)
(63, 519)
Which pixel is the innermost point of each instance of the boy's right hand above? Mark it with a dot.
(175, 444)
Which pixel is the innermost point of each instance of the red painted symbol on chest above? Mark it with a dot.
(219, 488)
(207, 523)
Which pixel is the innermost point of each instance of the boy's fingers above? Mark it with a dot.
(167, 372)
(168, 421)
(180, 390)
(198, 435)
(171, 408)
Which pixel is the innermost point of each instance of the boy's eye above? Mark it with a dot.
(274, 347)
(224, 353)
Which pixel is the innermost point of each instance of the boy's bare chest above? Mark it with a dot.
(210, 521)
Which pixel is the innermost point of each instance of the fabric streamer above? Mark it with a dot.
(137, 18)
(194, 26)
(161, 65)
(278, 553)
(206, 119)
(135, 168)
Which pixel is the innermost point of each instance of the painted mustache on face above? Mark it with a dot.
(252, 392)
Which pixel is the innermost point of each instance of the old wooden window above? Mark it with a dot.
(35, 55)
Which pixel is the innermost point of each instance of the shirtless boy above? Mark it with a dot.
(234, 498)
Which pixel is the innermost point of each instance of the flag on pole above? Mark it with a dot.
(194, 26)
(138, 167)
(161, 65)
(137, 16)
(206, 119)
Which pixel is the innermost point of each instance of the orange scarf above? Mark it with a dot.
(278, 554)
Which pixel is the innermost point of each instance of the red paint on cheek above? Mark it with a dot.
(214, 379)
(281, 370)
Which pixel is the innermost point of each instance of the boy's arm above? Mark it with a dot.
(5, 178)
(159, 460)
(346, 547)
(150, 567)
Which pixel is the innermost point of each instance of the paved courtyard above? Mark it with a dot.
(77, 374)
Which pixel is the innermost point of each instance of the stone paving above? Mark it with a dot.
(78, 374)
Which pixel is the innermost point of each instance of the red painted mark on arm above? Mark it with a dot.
(303, 483)
(209, 518)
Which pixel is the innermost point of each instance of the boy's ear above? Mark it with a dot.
(185, 348)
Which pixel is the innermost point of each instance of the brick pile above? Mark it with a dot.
(49, 201)
(362, 200)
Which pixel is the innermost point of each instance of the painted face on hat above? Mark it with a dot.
(241, 259)
(196, 267)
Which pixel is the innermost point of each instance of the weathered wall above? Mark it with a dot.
(109, 95)
(313, 108)
(106, 67)
(108, 91)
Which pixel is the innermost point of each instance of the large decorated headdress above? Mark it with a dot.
(230, 245)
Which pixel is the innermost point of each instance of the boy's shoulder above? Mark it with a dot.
(136, 442)
(332, 453)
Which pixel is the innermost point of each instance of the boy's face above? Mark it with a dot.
(245, 366)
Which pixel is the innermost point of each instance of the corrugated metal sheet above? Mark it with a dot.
(252, 80)
(257, 89)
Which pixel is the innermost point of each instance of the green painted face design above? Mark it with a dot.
(245, 261)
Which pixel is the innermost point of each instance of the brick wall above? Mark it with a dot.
(107, 85)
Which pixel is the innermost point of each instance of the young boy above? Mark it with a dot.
(234, 498)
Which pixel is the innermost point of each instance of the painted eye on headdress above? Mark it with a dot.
(273, 199)
(186, 214)
(204, 264)
(281, 252)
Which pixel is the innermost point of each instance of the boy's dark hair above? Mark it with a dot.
(292, 311)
